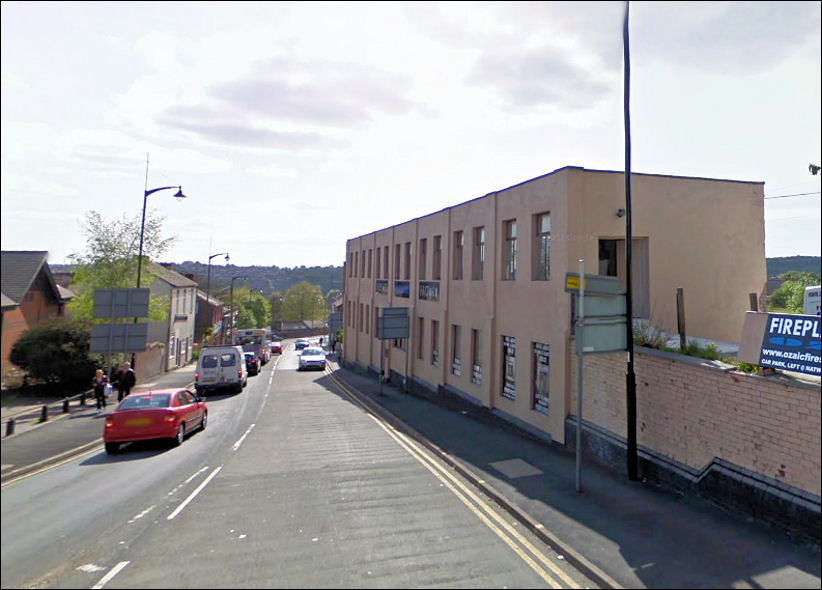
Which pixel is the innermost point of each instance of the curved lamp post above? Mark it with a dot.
(208, 281)
(179, 196)
(231, 342)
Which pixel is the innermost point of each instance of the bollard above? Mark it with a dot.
(44, 415)
(10, 427)
(65, 406)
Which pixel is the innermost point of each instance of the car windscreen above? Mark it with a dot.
(210, 361)
(133, 402)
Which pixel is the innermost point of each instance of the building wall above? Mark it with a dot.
(706, 236)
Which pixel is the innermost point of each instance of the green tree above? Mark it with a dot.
(253, 310)
(109, 260)
(791, 293)
(56, 351)
(303, 302)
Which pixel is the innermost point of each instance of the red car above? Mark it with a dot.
(162, 413)
(276, 348)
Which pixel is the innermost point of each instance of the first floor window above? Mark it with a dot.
(476, 357)
(509, 367)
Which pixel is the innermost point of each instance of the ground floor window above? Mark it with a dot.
(542, 354)
(509, 366)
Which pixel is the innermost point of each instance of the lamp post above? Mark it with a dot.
(231, 342)
(208, 281)
(179, 196)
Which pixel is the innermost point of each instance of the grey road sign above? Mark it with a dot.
(126, 337)
(603, 334)
(335, 322)
(393, 323)
(121, 303)
(594, 284)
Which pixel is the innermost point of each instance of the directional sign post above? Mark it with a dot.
(119, 303)
(393, 324)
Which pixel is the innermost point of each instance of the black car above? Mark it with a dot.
(252, 363)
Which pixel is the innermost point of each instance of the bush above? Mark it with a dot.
(56, 351)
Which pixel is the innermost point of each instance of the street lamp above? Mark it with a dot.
(208, 281)
(231, 342)
(179, 196)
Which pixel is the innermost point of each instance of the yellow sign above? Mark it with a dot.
(572, 283)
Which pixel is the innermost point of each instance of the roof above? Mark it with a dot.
(172, 277)
(19, 269)
(209, 298)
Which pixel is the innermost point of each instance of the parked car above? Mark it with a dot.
(301, 343)
(312, 357)
(162, 413)
(276, 348)
(220, 367)
(252, 363)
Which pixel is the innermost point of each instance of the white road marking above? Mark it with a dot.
(193, 494)
(142, 514)
(107, 578)
(242, 438)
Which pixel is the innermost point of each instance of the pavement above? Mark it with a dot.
(620, 533)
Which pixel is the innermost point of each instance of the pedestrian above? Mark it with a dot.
(125, 381)
(99, 383)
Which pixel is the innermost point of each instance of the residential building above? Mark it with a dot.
(484, 281)
(30, 294)
(177, 332)
(209, 318)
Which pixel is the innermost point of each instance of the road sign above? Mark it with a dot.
(335, 322)
(393, 323)
(603, 334)
(126, 337)
(121, 303)
(594, 284)
(599, 306)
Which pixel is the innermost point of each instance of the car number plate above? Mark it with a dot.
(138, 421)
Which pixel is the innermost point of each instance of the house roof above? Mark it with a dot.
(209, 298)
(172, 277)
(19, 269)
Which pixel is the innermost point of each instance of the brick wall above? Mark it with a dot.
(693, 412)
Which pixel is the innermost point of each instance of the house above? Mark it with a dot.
(174, 336)
(484, 281)
(30, 294)
(209, 318)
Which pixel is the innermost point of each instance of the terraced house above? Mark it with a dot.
(483, 281)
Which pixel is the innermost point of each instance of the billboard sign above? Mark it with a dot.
(790, 342)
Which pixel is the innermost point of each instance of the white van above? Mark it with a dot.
(221, 367)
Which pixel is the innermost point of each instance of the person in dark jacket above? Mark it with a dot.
(126, 379)
(99, 383)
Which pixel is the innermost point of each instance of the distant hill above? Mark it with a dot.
(777, 266)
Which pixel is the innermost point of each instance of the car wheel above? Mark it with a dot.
(181, 435)
(112, 448)
(204, 421)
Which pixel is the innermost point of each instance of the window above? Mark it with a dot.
(361, 317)
(435, 343)
(476, 356)
(458, 247)
(377, 261)
(436, 268)
(397, 262)
(456, 368)
(407, 261)
(362, 261)
(376, 323)
(369, 262)
(367, 317)
(421, 262)
(542, 355)
(509, 367)
(350, 264)
(356, 262)
(479, 253)
(420, 336)
(509, 255)
(385, 261)
(542, 247)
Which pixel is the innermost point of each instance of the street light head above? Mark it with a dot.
(179, 196)
(226, 256)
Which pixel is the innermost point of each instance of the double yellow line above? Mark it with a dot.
(530, 554)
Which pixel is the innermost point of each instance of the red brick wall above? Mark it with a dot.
(692, 411)
(36, 307)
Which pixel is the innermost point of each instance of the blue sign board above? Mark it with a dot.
(792, 343)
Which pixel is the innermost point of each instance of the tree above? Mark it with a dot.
(56, 351)
(109, 260)
(253, 311)
(302, 302)
(791, 293)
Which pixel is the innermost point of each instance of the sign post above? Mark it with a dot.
(392, 324)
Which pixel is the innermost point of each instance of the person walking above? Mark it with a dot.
(99, 383)
(126, 379)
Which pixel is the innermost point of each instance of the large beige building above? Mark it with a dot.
(484, 281)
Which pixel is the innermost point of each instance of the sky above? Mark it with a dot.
(293, 127)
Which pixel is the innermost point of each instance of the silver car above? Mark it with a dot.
(312, 357)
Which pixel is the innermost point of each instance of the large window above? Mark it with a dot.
(420, 337)
(385, 261)
(476, 356)
(542, 247)
(407, 261)
(542, 357)
(377, 265)
(509, 367)
(478, 258)
(435, 343)
(458, 248)
(456, 363)
(397, 252)
(509, 255)
(436, 263)
(421, 263)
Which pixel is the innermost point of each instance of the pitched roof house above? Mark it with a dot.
(30, 295)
